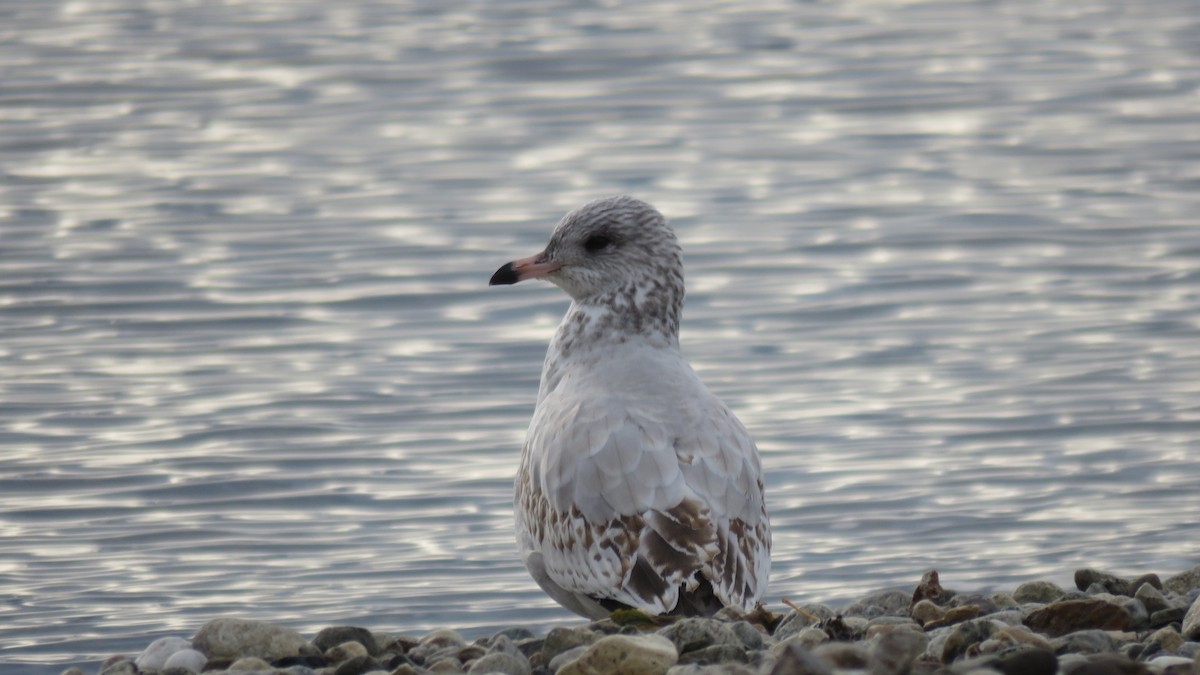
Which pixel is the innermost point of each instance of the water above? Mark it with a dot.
(942, 260)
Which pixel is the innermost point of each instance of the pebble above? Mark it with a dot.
(230, 638)
(155, 656)
(1114, 625)
(1191, 622)
(1086, 578)
(926, 612)
(1068, 616)
(1184, 582)
(501, 662)
(333, 636)
(185, 659)
(1038, 591)
(1151, 598)
(793, 659)
(893, 652)
(624, 655)
(691, 634)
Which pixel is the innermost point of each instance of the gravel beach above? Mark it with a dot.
(1107, 624)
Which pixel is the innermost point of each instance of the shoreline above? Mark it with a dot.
(1107, 624)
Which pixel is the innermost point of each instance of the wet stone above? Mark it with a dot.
(895, 603)
(1086, 578)
(716, 654)
(808, 638)
(501, 662)
(1164, 617)
(357, 665)
(501, 644)
(336, 635)
(843, 655)
(1067, 616)
(1150, 578)
(793, 659)
(234, 638)
(929, 588)
(955, 615)
(515, 634)
(750, 637)
(973, 600)
(1026, 660)
(722, 669)
(1191, 622)
(559, 640)
(445, 665)
(1011, 617)
(926, 612)
(1003, 600)
(345, 651)
(1151, 598)
(1171, 665)
(1037, 591)
(1107, 664)
(299, 662)
(469, 653)
(1020, 635)
(562, 659)
(188, 660)
(118, 666)
(1184, 582)
(964, 636)
(883, 624)
(249, 664)
(893, 652)
(624, 655)
(1085, 642)
(155, 656)
(795, 621)
(845, 628)
(692, 634)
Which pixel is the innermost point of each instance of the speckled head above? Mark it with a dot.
(616, 246)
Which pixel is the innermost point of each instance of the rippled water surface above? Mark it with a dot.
(943, 260)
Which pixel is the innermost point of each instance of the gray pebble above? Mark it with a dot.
(893, 652)
(794, 622)
(1091, 641)
(1042, 592)
(1191, 622)
(796, 660)
(566, 657)
(501, 662)
(1151, 597)
(1184, 582)
(231, 638)
(882, 602)
(695, 633)
(336, 635)
(1085, 579)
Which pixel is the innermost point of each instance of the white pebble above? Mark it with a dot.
(188, 659)
(155, 656)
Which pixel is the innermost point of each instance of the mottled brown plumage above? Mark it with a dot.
(637, 486)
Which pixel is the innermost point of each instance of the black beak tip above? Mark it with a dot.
(505, 276)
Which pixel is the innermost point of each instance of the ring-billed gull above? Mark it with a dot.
(637, 486)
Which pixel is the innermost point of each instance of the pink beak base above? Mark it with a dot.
(533, 267)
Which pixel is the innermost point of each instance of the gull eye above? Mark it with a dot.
(596, 242)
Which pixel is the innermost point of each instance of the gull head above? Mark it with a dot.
(616, 246)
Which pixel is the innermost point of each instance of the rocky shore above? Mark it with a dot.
(1106, 625)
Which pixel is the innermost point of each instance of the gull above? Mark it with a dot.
(637, 488)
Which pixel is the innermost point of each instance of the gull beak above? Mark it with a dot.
(533, 267)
